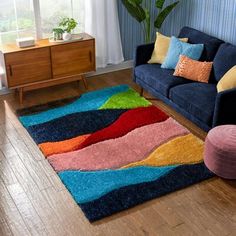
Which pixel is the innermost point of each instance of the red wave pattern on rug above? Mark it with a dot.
(127, 122)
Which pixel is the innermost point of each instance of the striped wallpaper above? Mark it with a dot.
(215, 17)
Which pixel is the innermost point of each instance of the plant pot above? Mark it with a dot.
(66, 36)
(57, 36)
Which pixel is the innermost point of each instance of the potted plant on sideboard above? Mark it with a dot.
(57, 34)
(67, 24)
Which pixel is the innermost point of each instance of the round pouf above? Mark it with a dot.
(220, 151)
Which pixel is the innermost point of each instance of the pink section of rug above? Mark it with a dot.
(132, 147)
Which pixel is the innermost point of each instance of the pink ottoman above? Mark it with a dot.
(220, 151)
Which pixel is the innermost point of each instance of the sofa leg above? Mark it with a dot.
(142, 95)
(141, 92)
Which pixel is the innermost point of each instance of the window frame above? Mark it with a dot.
(37, 19)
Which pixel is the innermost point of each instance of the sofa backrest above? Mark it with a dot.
(211, 43)
(224, 60)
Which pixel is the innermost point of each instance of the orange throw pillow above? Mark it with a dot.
(193, 70)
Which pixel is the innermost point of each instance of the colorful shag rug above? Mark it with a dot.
(113, 149)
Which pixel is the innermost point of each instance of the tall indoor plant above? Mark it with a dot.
(142, 14)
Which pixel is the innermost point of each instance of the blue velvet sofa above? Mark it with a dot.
(199, 102)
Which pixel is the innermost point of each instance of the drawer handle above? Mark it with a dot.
(90, 56)
(10, 69)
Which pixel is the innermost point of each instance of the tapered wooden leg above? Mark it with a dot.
(84, 81)
(21, 95)
(141, 92)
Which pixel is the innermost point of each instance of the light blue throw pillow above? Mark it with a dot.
(177, 48)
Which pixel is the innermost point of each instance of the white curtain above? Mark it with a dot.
(101, 21)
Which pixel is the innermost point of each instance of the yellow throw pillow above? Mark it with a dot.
(161, 48)
(228, 81)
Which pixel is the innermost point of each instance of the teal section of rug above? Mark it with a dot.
(88, 186)
(88, 101)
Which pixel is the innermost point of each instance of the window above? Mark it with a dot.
(63, 8)
(37, 18)
(16, 19)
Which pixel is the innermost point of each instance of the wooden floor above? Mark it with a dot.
(33, 201)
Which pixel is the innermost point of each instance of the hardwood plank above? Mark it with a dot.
(60, 202)
(168, 213)
(10, 213)
(5, 229)
(3, 136)
(6, 173)
(149, 217)
(39, 203)
(10, 132)
(26, 209)
(8, 150)
(31, 165)
(25, 179)
(20, 133)
(48, 216)
(183, 229)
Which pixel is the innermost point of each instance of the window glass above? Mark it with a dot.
(7, 16)
(17, 17)
(16, 20)
(52, 13)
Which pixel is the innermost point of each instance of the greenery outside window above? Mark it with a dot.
(37, 18)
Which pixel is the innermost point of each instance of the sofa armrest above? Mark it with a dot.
(143, 53)
(225, 109)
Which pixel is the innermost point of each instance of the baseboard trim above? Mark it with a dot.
(4, 91)
(111, 68)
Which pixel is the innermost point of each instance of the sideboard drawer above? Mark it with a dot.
(28, 66)
(73, 58)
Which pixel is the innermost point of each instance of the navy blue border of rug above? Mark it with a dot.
(130, 196)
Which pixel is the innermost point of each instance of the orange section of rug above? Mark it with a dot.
(69, 145)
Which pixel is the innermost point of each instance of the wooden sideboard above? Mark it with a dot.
(47, 64)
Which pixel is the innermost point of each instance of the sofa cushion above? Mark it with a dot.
(194, 70)
(178, 48)
(161, 48)
(211, 44)
(160, 79)
(228, 81)
(224, 60)
(198, 99)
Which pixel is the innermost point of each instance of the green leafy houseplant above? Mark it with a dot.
(57, 32)
(68, 24)
(142, 14)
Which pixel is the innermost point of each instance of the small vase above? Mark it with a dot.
(57, 36)
(66, 36)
